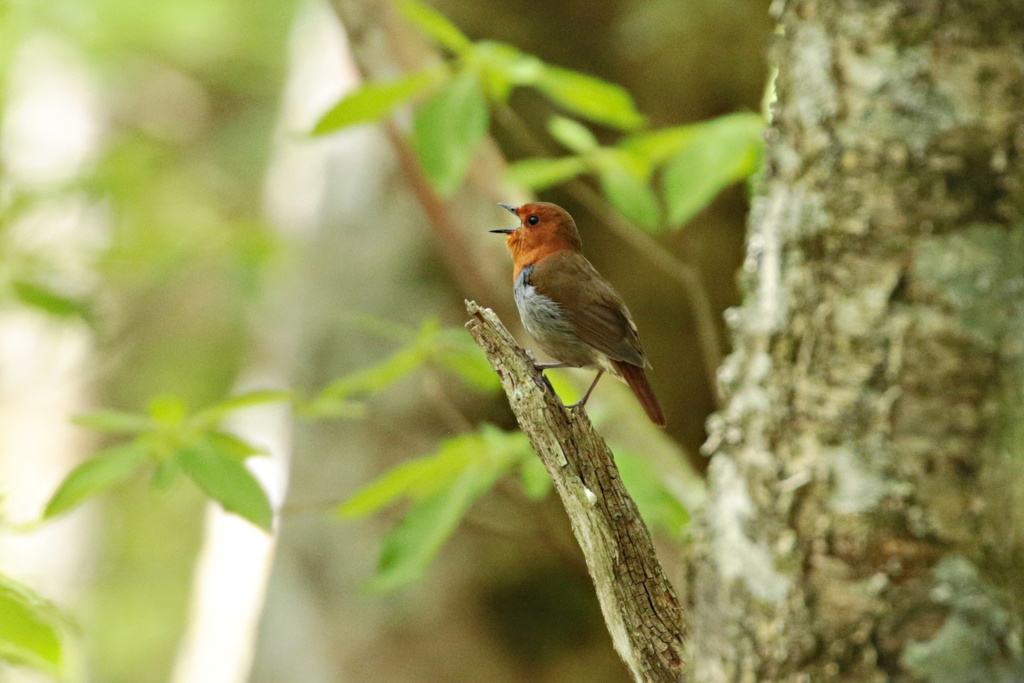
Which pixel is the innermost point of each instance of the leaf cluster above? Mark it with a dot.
(170, 442)
(439, 490)
(32, 632)
(450, 349)
(456, 96)
(658, 179)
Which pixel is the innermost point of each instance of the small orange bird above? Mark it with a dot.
(565, 304)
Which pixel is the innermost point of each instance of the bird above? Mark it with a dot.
(572, 312)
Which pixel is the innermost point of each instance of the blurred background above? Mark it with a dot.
(169, 227)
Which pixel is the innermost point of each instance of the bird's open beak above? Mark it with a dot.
(513, 210)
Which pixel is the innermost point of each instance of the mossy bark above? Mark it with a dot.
(865, 522)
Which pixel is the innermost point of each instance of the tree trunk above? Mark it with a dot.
(864, 522)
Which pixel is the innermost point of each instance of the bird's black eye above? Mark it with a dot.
(533, 220)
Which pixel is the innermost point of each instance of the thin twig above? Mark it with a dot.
(381, 44)
(450, 235)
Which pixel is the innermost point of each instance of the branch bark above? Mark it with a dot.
(638, 602)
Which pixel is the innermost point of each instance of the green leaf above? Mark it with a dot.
(564, 388)
(165, 474)
(338, 395)
(109, 468)
(504, 66)
(106, 469)
(435, 25)
(630, 194)
(375, 99)
(573, 134)
(212, 415)
(49, 300)
(226, 480)
(655, 147)
(720, 153)
(590, 97)
(115, 421)
(31, 632)
(231, 446)
(471, 367)
(442, 487)
(659, 508)
(337, 398)
(537, 174)
(451, 348)
(168, 410)
(411, 545)
(446, 130)
(416, 479)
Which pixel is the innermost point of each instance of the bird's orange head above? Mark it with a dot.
(544, 229)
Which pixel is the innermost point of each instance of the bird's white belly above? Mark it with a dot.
(541, 315)
(544, 319)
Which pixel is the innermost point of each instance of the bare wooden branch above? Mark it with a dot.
(638, 602)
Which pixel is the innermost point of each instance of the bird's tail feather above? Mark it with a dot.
(637, 381)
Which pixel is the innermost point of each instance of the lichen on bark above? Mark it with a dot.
(870, 452)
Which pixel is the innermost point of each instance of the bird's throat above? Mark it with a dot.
(526, 252)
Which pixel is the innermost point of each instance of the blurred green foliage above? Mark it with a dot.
(42, 297)
(449, 125)
(662, 510)
(441, 488)
(695, 163)
(191, 93)
(375, 100)
(186, 96)
(171, 441)
(175, 442)
(32, 631)
(698, 160)
(447, 129)
(450, 349)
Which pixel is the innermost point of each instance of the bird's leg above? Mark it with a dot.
(547, 366)
(583, 401)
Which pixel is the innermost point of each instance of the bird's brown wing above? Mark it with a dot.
(595, 311)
